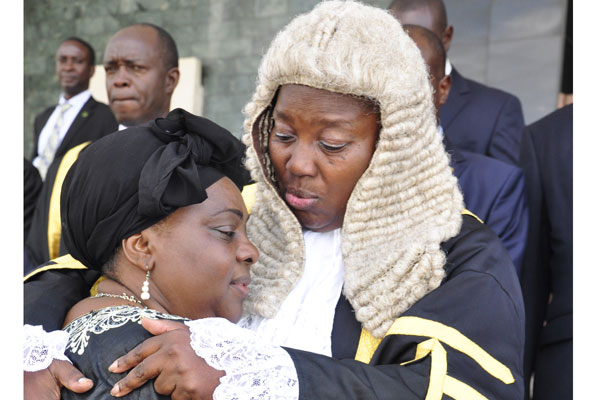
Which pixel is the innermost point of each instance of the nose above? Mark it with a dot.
(121, 78)
(68, 65)
(247, 253)
(301, 160)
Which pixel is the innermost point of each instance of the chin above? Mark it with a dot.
(316, 225)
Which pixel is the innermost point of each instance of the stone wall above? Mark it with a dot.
(229, 37)
(510, 44)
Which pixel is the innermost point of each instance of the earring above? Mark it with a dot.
(145, 290)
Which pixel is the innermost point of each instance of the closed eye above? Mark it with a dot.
(226, 234)
(283, 137)
(332, 147)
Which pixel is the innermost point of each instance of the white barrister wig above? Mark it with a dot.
(405, 204)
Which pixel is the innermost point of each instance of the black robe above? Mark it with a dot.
(469, 332)
(101, 336)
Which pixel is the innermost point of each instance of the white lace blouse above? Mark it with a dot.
(255, 365)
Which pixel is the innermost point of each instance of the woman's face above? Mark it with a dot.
(320, 145)
(202, 256)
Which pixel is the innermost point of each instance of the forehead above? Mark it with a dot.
(72, 48)
(134, 43)
(223, 194)
(319, 102)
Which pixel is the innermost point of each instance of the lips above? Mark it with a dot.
(300, 200)
(241, 285)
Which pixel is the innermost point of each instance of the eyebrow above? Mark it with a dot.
(231, 210)
(330, 122)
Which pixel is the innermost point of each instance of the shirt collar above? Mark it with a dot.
(447, 67)
(76, 101)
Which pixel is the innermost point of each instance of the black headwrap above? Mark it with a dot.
(132, 179)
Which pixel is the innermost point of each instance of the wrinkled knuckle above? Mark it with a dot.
(139, 371)
(137, 354)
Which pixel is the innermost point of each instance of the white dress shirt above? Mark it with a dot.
(77, 102)
(305, 319)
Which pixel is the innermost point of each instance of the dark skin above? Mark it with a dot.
(428, 18)
(139, 86)
(73, 68)
(319, 137)
(184, 281)
(168, 357)
(440, 82)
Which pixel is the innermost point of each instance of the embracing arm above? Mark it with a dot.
(48, 297)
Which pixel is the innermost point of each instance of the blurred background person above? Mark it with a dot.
(475, 117)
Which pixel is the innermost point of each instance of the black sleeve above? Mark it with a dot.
(473, 326)
(50, 295)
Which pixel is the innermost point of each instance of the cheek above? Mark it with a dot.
(279, 157)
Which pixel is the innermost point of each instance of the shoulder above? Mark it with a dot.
(557, 124)
(488, 168)
(45, 113)
(477, 251)
(491, 94)
(109, 321)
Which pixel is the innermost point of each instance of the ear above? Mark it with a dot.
(171, 79)
(443, 89)
(447, 37)
(92, 71)
(137, 251)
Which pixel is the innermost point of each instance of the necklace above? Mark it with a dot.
(123, 296)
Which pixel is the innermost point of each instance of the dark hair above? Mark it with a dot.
(436, 6)
(431, 40)
(169, 48)
(90, 50)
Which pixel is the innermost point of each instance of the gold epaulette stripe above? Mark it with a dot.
(438, 333)
(63, 262)
(467, 212)
(93, 290)
(249, 196)
(54, 223)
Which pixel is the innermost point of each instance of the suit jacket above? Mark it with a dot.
(482, 119)
(32, 187)
(546, 158)
(92, 122)
(495, 192)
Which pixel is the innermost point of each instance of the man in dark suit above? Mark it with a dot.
(493, 190)
(546, 158)
(475, 117)
(77, 117)
(141, 68)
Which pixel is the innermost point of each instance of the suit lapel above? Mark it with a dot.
(78, 122)
(457, 99)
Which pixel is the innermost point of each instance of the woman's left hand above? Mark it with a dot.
(169, 358)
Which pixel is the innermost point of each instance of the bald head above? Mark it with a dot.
(141, 66)
(431, 14)
(434, 56)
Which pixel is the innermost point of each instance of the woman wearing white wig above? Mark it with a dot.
(372, 276)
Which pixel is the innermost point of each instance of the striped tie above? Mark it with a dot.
(49, 151)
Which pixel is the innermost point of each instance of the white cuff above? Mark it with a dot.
(41, 347)
(253, 369)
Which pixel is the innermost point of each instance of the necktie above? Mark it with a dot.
(49, 151)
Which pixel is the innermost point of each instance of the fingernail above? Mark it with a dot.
(115, 390)
(84, 380)
(112, 368)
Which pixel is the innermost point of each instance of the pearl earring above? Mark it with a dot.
(145, 290)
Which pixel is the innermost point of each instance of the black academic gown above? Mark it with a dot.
(93, 121)
(101, 336)
(469, 332)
